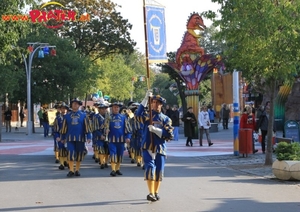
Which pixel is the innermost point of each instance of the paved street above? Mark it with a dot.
(196, 179)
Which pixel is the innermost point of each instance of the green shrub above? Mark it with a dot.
(286, 151)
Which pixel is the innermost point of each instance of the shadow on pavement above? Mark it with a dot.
(42, 167)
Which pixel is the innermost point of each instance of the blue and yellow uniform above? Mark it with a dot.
(155, 135)
(99, 136)
(57, 126)
(76, 130)
(91, 113)
(119, 132)
(137, 134)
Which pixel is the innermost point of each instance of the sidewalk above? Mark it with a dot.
(20, 133)
(221, 153)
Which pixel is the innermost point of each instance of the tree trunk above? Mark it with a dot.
(269, 150)
(182, 96)
(292, 104)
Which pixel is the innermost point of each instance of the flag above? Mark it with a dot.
(156, 33)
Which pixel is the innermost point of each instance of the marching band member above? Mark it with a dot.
(91, 114)
(62, 151)
(156, 132)
(118, 131)
(76, 130)
(137, 134)
(46, 130)
(124, 110)
(99, 134)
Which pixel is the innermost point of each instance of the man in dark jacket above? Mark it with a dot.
(225, 111)
(190, 122)
(8, 115)
(168, 111)
(263, 123)
(175, 122)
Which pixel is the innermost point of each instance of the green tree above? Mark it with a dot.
(11, 31)
(114, 77)
(161, 86)
(205, 96)
(53, 78)
(107, 33)
(173, 75)
(262, 39)
(212, 44)
(136, 62)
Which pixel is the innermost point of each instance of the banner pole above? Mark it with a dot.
(148, 73)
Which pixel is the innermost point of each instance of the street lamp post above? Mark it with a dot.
(34, 47)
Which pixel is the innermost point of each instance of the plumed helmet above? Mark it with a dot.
(120, 104)
(76, 100)
(102, 105)
(134, 105)
(159, 98)
(64, 105)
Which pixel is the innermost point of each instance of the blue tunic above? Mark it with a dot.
(160, 121)
(119, 128)
(76, 127)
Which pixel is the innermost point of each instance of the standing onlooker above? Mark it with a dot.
(263, 125)
(225, 111)
(22, 115)
(259, 111)
(46, 123)
(190, 123)
(40, 115)
(8, 115)
(252, 108)
(168, 111)
(204, 125)
(175, 122)
(248, 121)
(212, 114)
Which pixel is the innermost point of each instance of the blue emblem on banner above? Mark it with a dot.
(156, 34)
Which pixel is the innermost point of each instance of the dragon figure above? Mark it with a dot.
(190, 43)
(192, 64)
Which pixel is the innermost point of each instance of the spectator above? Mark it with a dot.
(175, 122)
(259, 112)
(263, 123)
(248, 121)
(252, 108)
(168, 111)
(46, 123)
(212, 114)
(8, 115)
(40, 115)
(225, 114)
(204, 125)
(22, 115)
(190, 123)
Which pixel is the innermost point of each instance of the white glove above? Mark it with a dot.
(155, 130)
(146, 98)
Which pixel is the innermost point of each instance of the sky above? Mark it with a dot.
(177, 12)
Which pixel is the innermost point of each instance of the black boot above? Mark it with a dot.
(187, 143)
